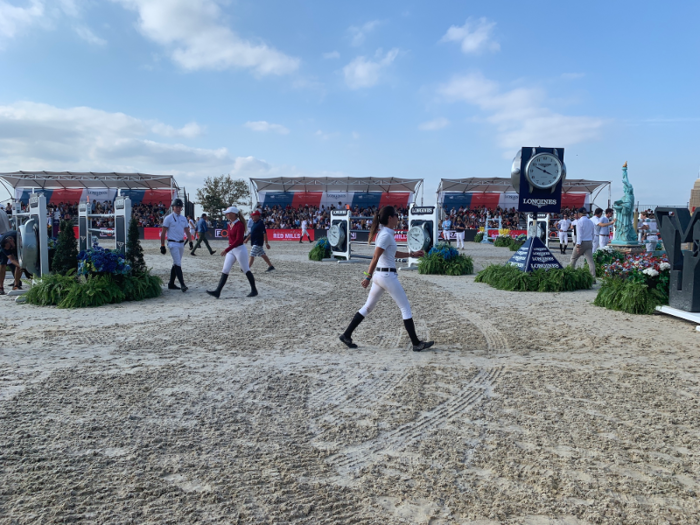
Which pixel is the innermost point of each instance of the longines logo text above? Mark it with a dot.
(540, 202)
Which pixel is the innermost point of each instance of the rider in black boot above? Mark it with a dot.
(418, 345)
(346, 337)
(180, 278)
(173, 275)
(251, 280)
(222, 281)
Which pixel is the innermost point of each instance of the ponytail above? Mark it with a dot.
(380, 217)
(375, 226)
(243, 222)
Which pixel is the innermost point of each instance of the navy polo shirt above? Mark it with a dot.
(257, 233)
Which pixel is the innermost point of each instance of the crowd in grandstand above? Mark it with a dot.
(279, 217)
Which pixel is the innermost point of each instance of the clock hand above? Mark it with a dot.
(541, 169)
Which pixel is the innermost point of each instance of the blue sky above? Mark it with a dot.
(409, 89)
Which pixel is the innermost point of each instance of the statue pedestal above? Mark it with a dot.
(629, 249)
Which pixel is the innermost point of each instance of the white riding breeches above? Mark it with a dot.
(176, 251)
(240, 254)
(460, 239)
(563, 238)
(603, 241)
(387, 282)
(651, 242)
(596, 238)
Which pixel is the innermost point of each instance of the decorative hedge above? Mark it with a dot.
(103, 277)
(510, 278)
(479, 237)
(321, 250)
(443, 259)
(635, 284)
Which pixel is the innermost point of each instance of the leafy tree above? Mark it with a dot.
(66, 256)
(221, 192)
(134, 252)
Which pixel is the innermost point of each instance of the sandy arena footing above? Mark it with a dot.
(531, 408)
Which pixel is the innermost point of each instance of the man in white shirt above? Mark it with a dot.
(584, 241)
(446, 227)
(597, 217)
(304, 230)
(649, 230)
(564, 225)
(604, 224)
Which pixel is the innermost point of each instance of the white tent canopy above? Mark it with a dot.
(337, 184)
(503, 185)
(74, 180)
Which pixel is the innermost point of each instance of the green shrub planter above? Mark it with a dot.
(479, 237)
(510, 278)
(322, 250)
(445, 260)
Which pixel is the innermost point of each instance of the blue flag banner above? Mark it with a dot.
(534, 255)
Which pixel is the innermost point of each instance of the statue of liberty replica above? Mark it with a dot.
(625, 234)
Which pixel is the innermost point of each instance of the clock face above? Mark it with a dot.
(544, 170)
(336, 235)
(417, 238)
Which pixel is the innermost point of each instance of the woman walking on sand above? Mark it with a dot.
(236, 251)
(383, 277)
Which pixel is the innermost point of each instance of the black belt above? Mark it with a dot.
(386, 269)
(174, 241)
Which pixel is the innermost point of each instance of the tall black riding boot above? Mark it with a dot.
(346, 337)
(171, 283)
(251, 280)
(222, 281)
(418, 345)
(180, 278)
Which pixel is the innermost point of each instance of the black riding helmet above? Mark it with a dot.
(177, 202)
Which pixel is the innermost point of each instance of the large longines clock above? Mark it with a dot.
(419, 237)
(538, 174)
(336, 235)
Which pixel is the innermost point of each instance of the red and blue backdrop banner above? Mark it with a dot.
(505, 201)
(74, 196)
(298, 200)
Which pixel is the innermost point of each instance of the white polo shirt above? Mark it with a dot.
(584, 230)
(175, 225)
(385, 239)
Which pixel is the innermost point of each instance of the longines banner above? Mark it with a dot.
(505, 201)
(338, 199)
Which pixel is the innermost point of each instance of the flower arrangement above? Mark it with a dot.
(103, 277)
(504, 231)
(321, 250)
(443, 259)
(635, 284)
(97, 260)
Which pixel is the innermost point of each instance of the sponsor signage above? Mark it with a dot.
(422, 210)
(534, 255)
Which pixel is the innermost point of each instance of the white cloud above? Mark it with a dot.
(359, 33)
(14, 19)
(519, 115)
(323, 135)
(434, 124)
(331, 55)
(90, 37)
(194, 34)
(247, 167)
(40, 136)
(363, 72)
(189, 131)
(261, 125)
(475, 36)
